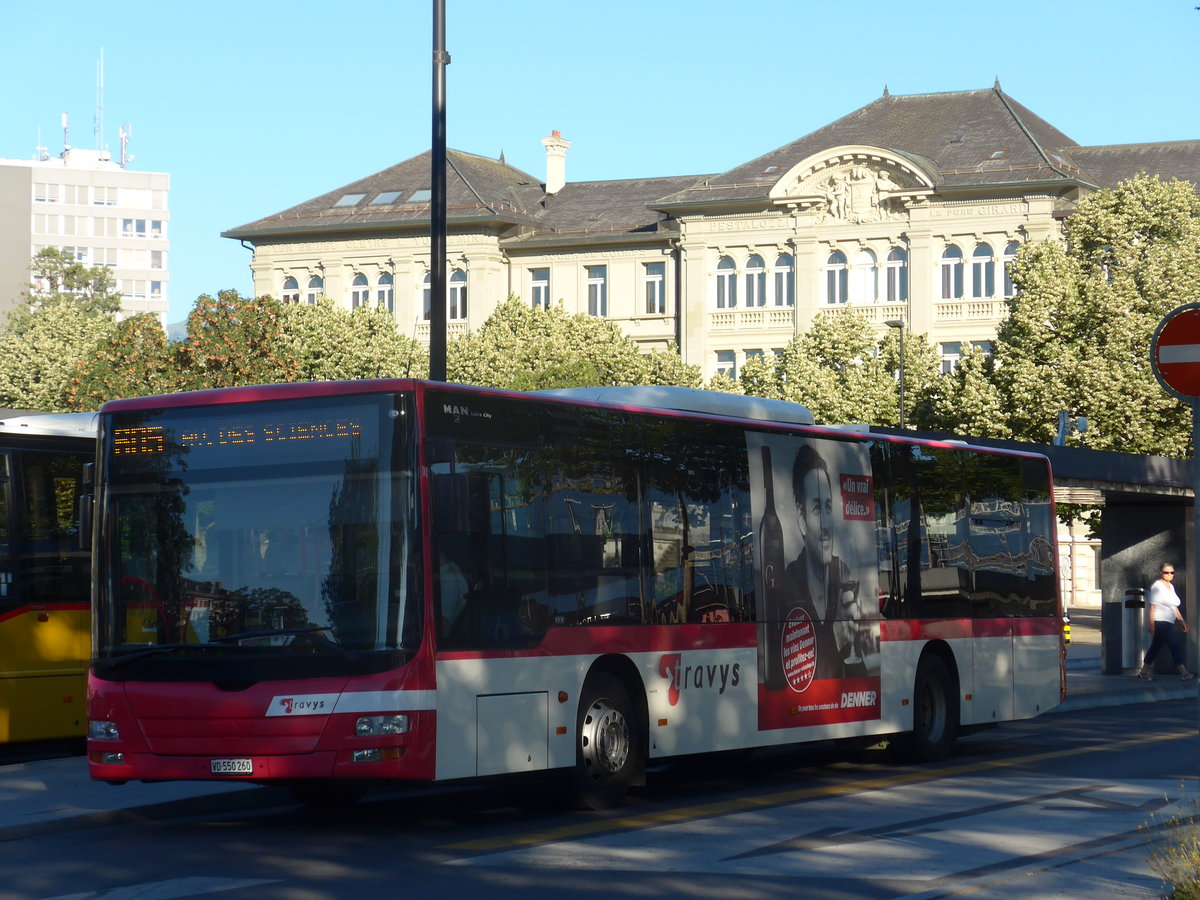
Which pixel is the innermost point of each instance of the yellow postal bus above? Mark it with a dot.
(45, 575)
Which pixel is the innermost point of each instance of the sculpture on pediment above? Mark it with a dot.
(854, 194)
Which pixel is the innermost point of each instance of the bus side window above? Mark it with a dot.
(57, 569)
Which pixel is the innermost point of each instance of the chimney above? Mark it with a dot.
(556, 162)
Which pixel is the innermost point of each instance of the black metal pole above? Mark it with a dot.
(437, 224)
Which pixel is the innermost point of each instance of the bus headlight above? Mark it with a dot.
(374, 726)
(100, 730)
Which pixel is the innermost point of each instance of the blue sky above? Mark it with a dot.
(255, 106)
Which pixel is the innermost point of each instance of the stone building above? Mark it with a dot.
(908, 209)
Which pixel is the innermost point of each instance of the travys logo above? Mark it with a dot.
(681, 676)
(302, 705)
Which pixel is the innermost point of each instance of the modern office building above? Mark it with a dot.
(98, 211)
(907, 208)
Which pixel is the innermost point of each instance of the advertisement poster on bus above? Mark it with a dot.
(816, 578)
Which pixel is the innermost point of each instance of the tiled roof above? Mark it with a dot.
(962, 139)
(477, 188)
(1106, 166)
(972, 138)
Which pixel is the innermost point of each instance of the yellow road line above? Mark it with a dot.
(742, 804)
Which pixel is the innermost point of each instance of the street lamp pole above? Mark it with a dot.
(899, 324)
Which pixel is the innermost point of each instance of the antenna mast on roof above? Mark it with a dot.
(99, 122)
(126, 134)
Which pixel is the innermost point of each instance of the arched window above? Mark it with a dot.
(785, 281)
(983, 272)
(384, 295)
(756, 282)
(1010, 257)
(897, 276)
(952, 273)
(456, 311)
(864, 285)
(291, 290)
(836, 278)
(360, 291)
(427, 296)
(316, 287)
(726, 283)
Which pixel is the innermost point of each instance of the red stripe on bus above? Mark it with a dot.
(47, 607)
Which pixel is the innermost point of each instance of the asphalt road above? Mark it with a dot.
(1061, 806)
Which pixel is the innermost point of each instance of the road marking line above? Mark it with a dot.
(741, 804)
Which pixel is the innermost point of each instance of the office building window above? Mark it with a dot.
(756, 282)
(654, 276)
(727, 363)
(951, 354)
(864, 284)
(785, 280)
(597, 291)
(983, 272)
(897, 276)
(1010, 258)
(952, 273)
(384, 295)
(360, 291)
(837, 284)
(726, 283)
(539, 288)
(456, 311)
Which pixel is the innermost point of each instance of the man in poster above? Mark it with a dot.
(817, 571)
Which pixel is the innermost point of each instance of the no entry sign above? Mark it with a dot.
(1175, 352)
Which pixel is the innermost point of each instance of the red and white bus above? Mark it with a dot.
(326, 585)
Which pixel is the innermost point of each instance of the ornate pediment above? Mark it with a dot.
(853, 185)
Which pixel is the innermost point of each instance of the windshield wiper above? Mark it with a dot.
(311, 633)
(152, 650)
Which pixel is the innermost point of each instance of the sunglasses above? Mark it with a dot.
(1171, 572)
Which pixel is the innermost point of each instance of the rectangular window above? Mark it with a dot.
(539, 285)
(597, 291)
(156, 228)
(156, 290)
(655, 276)
(727, 363)
(951, 354)
(75, 194)
(156, 259)
(104, 196)
(45, 193)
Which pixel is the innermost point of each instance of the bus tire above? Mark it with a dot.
(935, 711)
(608, 748)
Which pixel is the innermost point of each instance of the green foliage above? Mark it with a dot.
(40, 350)
(60, 279)
(1175, 857)
(1078, 333)
(845, 374)
(233, 340)
(328, 343)
(136, 361)
(522, 348)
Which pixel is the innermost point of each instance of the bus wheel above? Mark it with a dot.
(608, 755)
(327, 794)
(935, 711)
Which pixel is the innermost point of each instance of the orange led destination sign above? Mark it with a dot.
(141, 440)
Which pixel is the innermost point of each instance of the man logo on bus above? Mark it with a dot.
(680, 677)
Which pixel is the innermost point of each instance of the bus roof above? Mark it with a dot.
(51, 424)
(683, 399)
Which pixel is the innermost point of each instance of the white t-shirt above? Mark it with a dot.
(1163, 601)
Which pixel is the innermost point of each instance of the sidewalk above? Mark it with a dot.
(52, 795)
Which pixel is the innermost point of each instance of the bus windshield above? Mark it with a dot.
(270, 530)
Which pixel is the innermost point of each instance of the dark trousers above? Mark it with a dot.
(1164, 633)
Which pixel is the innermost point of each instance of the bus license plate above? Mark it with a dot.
(233, 766)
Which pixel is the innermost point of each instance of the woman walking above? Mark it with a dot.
(1163, 610)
